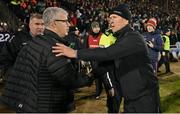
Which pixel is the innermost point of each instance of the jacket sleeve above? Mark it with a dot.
(63, 70)
(131, 44)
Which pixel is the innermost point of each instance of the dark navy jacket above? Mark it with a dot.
(156, 39)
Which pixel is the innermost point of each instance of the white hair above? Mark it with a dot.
(51, 13)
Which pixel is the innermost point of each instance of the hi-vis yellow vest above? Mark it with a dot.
(166, 43)
(106, 40)
(15, 2)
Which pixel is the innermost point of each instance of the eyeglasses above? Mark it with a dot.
(65, 21)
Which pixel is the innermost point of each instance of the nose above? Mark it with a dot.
(111, 22)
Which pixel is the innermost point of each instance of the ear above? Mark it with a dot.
(125, 21)
(52, 24)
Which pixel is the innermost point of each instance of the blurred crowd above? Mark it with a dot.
(83, 12)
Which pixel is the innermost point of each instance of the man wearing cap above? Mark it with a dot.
(133, 69)
(154, 42)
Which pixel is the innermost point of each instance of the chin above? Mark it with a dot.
(114, 31)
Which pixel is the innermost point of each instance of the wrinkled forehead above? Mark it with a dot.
(112, 14)
(63, 16)
(36, 20)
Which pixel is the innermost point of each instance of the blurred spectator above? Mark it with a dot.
(73, 19)
(165, 52)
(137, 26)
(154, 41)
(173, 46)
(175, 53)
(173, 38)
(113, 102)
(74, 42)
(93, 42)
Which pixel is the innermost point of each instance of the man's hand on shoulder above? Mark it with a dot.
(62, 50)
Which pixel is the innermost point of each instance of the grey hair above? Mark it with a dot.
(51, 13)
(35, 15)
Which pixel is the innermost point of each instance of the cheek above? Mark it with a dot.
(65, 30)
(117, 27)
(114, 29)
(34, 28)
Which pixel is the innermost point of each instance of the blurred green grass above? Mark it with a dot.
(169, 94)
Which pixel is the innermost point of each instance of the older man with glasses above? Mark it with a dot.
(39, 81)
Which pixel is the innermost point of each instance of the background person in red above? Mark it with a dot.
(153, 41)
(92, 41)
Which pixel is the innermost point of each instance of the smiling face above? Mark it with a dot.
(117, 22)
(150, 28)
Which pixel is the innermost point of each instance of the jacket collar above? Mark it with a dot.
(124, 30)
(55, 36)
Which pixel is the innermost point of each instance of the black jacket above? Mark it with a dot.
(130, 54)
(40, 81)
(12, 47)
(73, 41)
